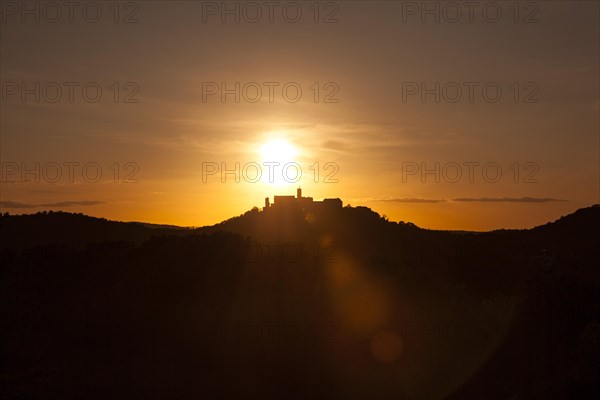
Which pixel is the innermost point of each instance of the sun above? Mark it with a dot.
(278, 150)
(280, 167)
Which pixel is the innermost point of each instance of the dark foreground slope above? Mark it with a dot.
(319, 305)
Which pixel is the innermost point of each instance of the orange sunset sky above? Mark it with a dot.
(369, 118)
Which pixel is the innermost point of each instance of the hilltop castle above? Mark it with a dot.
(299, 201)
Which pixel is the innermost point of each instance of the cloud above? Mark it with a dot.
(16, 204)
(471, 200)
(508, 199)
(334, 145)
(72, 203)
(410, 200)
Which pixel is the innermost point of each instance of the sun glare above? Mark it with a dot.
(278, 150)
(281, 153)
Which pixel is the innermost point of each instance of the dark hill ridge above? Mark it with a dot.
(19, 232)
(48, 227)
(577, 222)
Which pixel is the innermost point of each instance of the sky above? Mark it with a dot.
(445, 115)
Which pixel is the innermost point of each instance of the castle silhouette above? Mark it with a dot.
(285, 201)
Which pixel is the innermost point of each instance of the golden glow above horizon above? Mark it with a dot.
(354, 129)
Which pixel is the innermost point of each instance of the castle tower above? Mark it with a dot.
(267, 202)
(299, 193)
